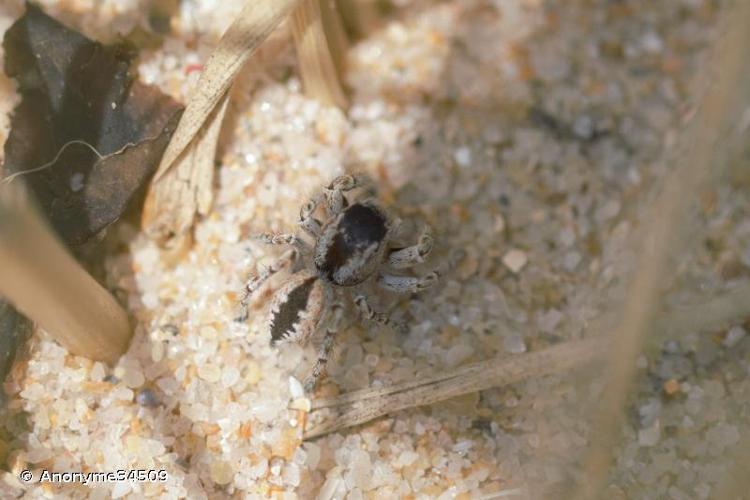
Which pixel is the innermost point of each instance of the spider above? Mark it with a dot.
(355, 245)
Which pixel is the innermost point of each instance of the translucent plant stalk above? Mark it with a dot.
(315, 51)
(44, 282)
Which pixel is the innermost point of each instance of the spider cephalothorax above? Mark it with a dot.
(351, 244)
(355, 244)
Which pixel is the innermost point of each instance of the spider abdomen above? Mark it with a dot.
(351, 244)
(296, 308)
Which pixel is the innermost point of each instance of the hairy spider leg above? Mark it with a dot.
(414, 284)
(415, 254)
(284, 239)
(376, 316)
(334, 193)
(307, 220)
(255, 281)
(408, 284)
(326, 347)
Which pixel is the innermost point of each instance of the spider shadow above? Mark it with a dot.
(455, 173)
(431, 185)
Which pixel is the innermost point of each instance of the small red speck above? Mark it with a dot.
(190, 68)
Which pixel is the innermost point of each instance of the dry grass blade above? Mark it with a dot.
(736, 481)
(253, 25)
(363, 406)
(360, 16)
(338, 41)
(317, 63)
(698, 151)
(712, 313)
(203, 157)
(43, 281)
(187, 188)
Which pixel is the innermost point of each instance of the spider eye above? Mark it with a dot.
(307, 209)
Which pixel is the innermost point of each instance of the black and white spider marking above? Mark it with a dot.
(355, 244)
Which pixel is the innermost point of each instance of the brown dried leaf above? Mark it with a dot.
(14, 331)
(77, 92)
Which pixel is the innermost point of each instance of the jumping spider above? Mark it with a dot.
(354, 245)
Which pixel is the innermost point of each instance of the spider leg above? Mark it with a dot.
(255, 281)
(334, 193)
(376, 316)
(284, 239)
(414, 284)
(408, 284)
(307, 221)
(415, 254)
(326, 348)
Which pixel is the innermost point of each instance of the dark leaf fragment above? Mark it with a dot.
(14, 331)
(75, 89)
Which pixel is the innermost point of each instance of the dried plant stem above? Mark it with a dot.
(363, 406)
(317, 62)
(697, 153)
(253, 25)
(338, 41)
(360, 16)
(187, 189)
(719, 310)
(734, 305)
(42, 280)
(736, 482)
(182, 185)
